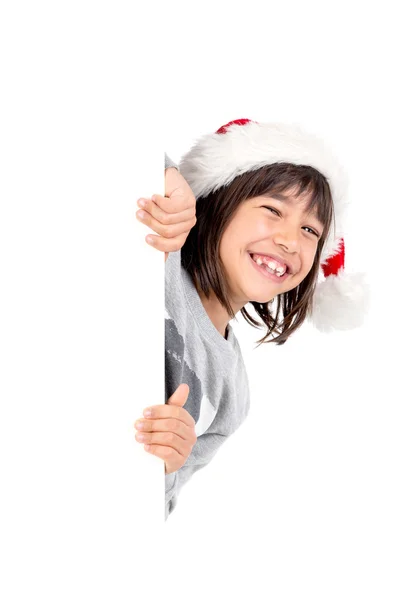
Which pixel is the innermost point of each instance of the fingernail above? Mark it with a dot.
(142, 203)
(141, 214)
(139, 425)
(146, 446)
(150, 240)
(140, 437)
(147, 413)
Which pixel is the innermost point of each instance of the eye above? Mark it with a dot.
(312, 231)
(272, 210)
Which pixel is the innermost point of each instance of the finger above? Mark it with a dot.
(165, 411)
(180, 396)
(159, 425)
(183, 447)
(174, 203)
(178, 202)
(180, 198)
(166, 245)
(167, 231)
(166, 217)
(164, 452)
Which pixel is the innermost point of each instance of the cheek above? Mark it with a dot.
(309, 259)
(227, 249)
(260, 228)
(307, 262)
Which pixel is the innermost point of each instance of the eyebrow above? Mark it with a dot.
(277, 196)
(283, 198)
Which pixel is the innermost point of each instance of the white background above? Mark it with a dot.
(302, 500)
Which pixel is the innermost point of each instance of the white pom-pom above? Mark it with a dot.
(340, 302)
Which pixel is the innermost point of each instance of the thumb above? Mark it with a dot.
(180, 395)
(173, 183)
(176, 193)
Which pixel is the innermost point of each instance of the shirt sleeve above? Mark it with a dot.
(203, 451)
(168, 162)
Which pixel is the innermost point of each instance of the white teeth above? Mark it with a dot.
(271, 265)
(276, 267)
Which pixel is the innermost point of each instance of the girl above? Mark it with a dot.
(269, 207)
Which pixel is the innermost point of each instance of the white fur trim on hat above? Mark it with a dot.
(217, 158)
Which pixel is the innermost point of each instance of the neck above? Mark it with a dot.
(216, 312)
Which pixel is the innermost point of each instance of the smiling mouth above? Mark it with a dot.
(270, 265)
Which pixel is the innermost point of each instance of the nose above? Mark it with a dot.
(287, 237)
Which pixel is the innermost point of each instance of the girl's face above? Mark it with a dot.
(278, 230)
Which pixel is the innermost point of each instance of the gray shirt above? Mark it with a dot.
(212, 366)
(168, 162)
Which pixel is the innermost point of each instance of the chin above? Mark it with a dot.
(261, 299)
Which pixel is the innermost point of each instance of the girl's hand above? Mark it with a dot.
(172, 216)
(169, 432)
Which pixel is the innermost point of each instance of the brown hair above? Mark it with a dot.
(200, 253)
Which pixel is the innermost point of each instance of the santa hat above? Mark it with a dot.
(243, 145)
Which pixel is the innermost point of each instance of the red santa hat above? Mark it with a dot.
(243, 145)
